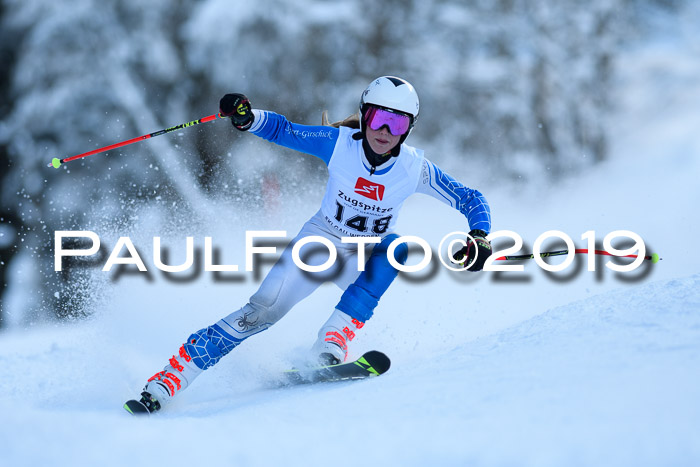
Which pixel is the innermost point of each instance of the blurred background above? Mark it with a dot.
(523, 90)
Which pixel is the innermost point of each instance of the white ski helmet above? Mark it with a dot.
(392, 93)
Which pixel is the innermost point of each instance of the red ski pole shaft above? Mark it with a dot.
(56, 162)
(653, 257)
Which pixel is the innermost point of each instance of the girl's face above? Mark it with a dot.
(381, 141)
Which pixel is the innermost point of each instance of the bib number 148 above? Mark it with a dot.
(360, 223)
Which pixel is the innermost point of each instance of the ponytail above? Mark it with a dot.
(352, 121)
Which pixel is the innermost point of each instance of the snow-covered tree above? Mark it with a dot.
(525, 85)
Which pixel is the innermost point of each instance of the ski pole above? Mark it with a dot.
(56, 162)
(654, 258)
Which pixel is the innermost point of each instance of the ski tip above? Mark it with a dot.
(378, 360)
(135, 407)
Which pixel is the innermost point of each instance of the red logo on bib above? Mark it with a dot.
(369, 189)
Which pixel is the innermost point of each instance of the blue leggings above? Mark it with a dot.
(362, 296)
(286, 285)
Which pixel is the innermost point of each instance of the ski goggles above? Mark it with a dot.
(377, 117)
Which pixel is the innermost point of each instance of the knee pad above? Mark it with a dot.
(208, 345)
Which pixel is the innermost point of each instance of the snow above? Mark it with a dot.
(609, 380)
(582, 368)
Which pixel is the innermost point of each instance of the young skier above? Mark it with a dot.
(371, 173)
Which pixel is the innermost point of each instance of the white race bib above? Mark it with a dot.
(359, 204)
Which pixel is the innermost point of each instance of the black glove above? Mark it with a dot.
(237, 107)
(479, 248)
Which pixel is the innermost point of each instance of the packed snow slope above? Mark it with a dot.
(573, 368)
(609, 380)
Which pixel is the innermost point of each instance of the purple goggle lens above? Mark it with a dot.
(376, 118)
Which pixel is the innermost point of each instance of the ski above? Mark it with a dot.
(135, 407)
(145, 406)
(372, 363)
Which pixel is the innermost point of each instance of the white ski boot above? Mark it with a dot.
(176, 376)
(333, 338)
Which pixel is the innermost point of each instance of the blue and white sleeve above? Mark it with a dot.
(470, 202)
(318, 141)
